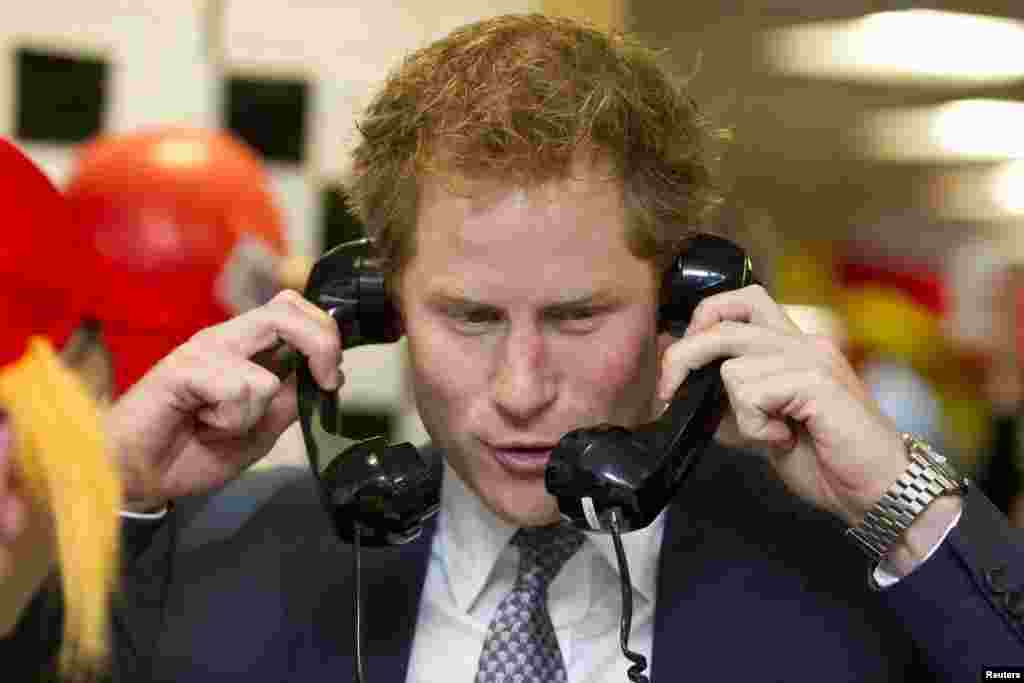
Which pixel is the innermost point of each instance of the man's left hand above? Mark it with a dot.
(793, 397)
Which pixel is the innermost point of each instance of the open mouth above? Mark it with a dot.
(528, 462)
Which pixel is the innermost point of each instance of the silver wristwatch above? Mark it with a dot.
(928, 476)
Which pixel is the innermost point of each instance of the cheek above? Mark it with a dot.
(618, 375)
(444, 379)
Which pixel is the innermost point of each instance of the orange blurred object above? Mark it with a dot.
(40, 258)
(184, 233)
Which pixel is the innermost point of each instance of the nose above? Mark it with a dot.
(523, 382)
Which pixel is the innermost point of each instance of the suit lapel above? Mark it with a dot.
(675, 560)
(393, 583)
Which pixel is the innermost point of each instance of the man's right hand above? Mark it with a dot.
(207, 411)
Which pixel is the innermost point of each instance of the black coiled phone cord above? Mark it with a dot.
(636, 671)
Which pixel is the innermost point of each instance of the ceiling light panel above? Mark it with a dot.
(918, 46)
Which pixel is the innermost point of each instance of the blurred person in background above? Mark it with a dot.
(893, 312)
(63, 460)
(44, 409)
(511, 138)
(1001, 470)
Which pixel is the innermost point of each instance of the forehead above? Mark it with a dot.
(568, 232)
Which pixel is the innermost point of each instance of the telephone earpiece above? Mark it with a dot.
(386, 492)
(604, 471)
(382, 491)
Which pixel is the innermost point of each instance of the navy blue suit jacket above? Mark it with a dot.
(252, 585)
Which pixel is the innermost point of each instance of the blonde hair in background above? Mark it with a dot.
(62, 459)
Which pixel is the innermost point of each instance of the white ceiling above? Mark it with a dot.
(794, 158)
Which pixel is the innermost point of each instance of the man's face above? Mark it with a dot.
(527, 316)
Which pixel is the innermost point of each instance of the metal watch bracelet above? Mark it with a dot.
(927, 477)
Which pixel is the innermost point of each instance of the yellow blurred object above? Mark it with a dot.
(968, 419)
(805, 273)
(62, 458)
(891, 323)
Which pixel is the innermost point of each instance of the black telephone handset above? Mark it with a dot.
(635, 473)
(386, 492)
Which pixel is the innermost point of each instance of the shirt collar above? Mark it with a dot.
(470, 538)
(641, 547)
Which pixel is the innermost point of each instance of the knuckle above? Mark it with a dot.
(700, 310)
(759, 291)
(328, 345)
(289, 298)
(672, 354)
(744, 398)
(243, 391)
(828, 345)
(731, 372)
(264, 383)
(732, 327)
(819, 376)
(201, 338)
(189, 354)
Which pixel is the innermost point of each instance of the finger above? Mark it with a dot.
(234, 394)
(726, 339)
(750, 304)
(745, 369)
(840, 367)
(280, 413)
(282, 410)
(745, 380)
(809, 397)
(287, 318)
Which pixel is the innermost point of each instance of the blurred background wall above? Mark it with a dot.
(876, 170)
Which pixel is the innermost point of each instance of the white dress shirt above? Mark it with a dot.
(472, 567)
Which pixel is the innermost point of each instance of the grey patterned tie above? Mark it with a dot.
(521, 645)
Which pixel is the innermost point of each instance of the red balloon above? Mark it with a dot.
(182, 231)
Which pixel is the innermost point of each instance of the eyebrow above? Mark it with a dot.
(600, 299)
